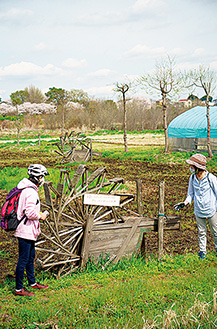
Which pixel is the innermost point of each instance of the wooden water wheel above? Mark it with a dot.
(61, 237)
(75, 147)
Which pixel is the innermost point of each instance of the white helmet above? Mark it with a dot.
(37, 170)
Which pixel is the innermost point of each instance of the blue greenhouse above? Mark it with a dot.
(188, 131)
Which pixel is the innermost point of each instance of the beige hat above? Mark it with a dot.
(197, 160)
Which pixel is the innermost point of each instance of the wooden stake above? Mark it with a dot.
(160, 220)
(214, 300)
(91, 151)
(86, 240)
(139, 196)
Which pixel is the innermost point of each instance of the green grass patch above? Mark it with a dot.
(176, 292)
(8, 117)
(10, 176)
(121, 132)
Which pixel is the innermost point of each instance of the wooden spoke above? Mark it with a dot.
(62, 233)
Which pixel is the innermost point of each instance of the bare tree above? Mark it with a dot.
(123, 89)
(167, 81)
(203, 77)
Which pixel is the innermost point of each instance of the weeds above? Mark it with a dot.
(135, 293)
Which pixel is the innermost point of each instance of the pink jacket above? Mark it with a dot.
(30, 205)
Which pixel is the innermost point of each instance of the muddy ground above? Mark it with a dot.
(176, 183)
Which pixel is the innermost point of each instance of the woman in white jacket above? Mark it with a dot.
(202, 189)
(29, 228)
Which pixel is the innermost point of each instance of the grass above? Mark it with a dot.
(16, 174)
(176, 292)
(25, 133)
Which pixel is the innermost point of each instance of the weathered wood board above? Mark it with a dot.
(110, 239)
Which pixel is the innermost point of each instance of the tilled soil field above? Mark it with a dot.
(176, 184)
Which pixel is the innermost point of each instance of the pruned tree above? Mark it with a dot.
(17, 98)
(167, 82)
(123, 89)
(203, 77)
(60, 98)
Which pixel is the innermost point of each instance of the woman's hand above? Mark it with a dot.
(43, 215)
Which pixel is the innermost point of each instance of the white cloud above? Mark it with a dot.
(74, 63)
(125, 15)
(213, 66)
(177, 52)
(28, 69)
(101, 73)
(198, 52)
(96, 19)
(185, 66)
(150, 52)
(15, 15)
(143, 50)
(103, 90)
(142, 6)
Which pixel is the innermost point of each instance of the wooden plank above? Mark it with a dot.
(126, 241)
(98, 172)
(60, 189)
(108, 238)
(128, 238)
(111, 244)
(47, 194)
(171, 223)
(86, 240)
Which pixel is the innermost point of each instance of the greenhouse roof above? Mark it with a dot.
(193, 123)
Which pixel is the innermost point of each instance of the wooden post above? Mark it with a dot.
(139, 196)
(91, 151)
(39, 139)
(86, 240)
(161, 220)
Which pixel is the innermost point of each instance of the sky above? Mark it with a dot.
(93, 44)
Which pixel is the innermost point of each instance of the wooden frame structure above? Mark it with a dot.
(76, 231)
(75, 147)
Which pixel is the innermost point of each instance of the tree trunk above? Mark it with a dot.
(63, 120)
(208, 128)
(18, 127)
(125, 123)
(165, 121)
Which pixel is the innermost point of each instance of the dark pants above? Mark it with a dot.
(25, 261)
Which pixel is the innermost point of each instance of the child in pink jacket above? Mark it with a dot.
(29, 228)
